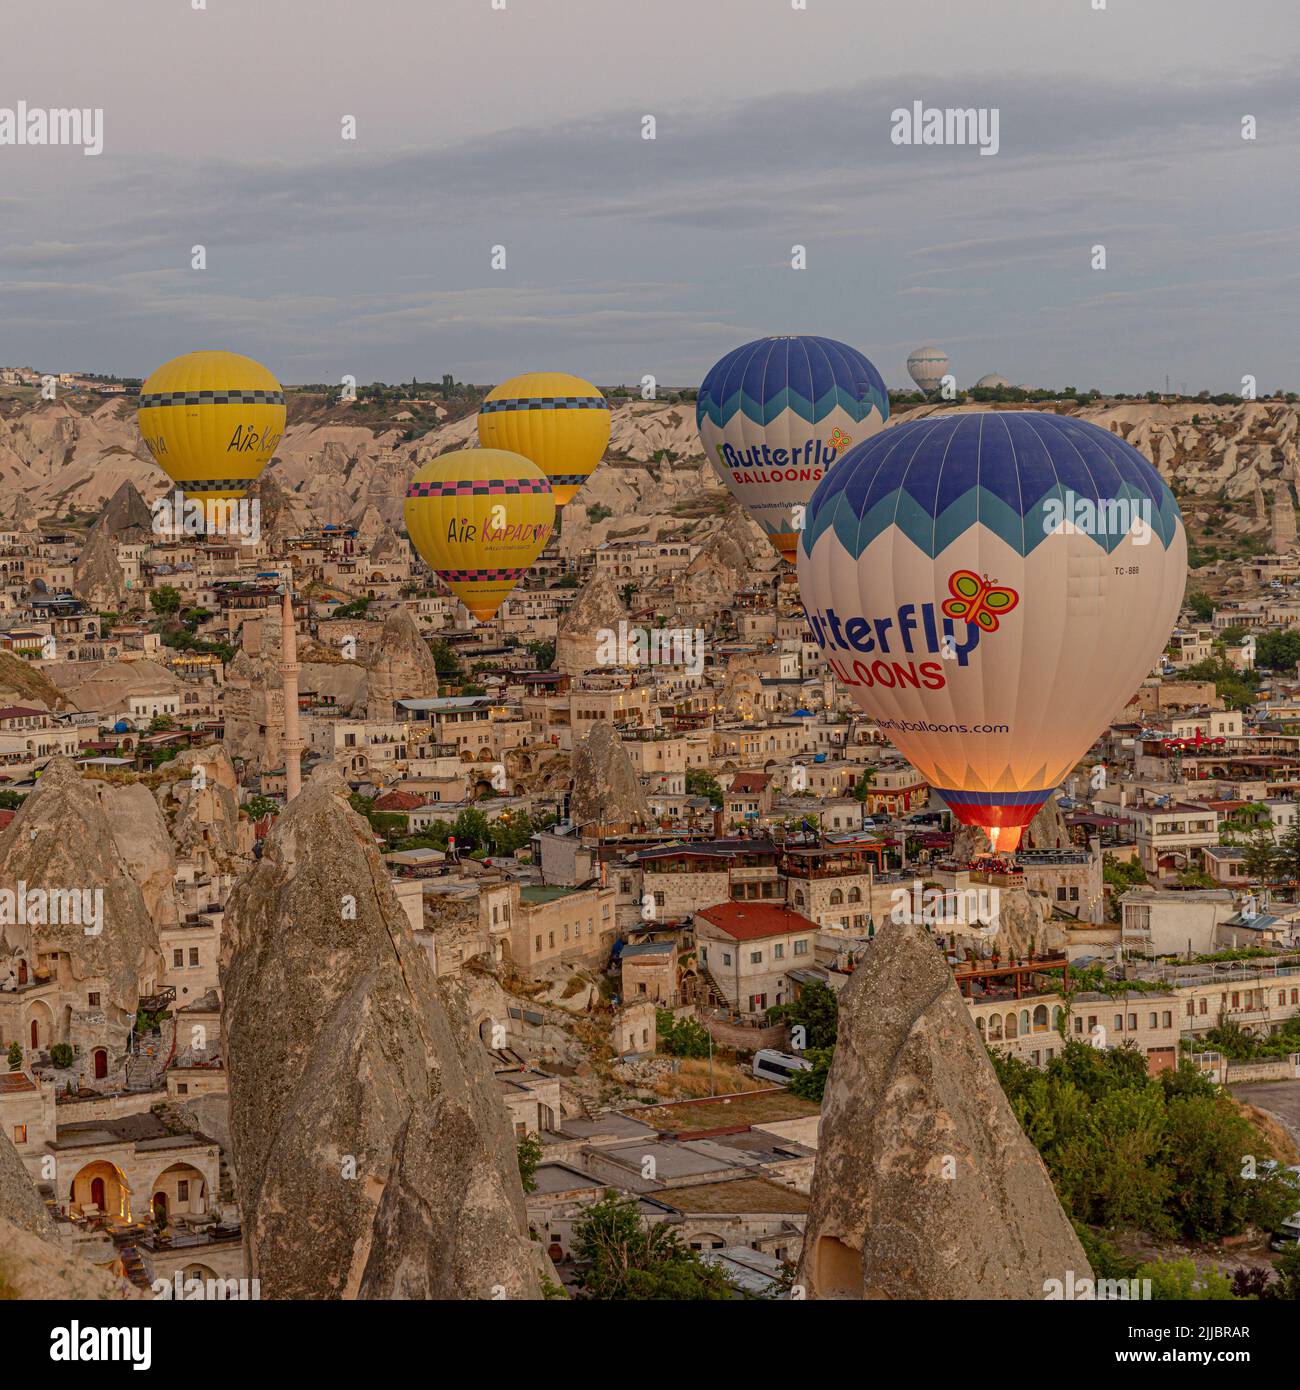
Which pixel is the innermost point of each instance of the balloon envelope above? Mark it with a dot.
(776, 413)
(928, 366)
(212, 421)
(991, 588)
(558, 421)
(479, 518)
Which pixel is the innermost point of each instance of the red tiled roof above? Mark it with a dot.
(398, 801)
(751, 920)
(11, 1082)
(750, 782)
(19, 711)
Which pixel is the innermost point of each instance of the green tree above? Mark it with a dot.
(259, 806)
(1202, 607)
(15, 1056)
(816, 1010)
(702, 783)
(1261, 857)
(529, 1153)
(543, 654)
(1286, 864)
(1180, 1280)
(1278, 651)
(1204, 1143)
(61, 1055)
(445, 661)
(472, 830)
(622, 1257)
(681, 1037)
(811, 1085)
(165, 600)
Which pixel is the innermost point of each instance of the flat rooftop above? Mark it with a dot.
(726, 1112)
(736, 1195)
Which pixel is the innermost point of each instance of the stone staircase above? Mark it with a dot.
(709, 991)
(573, 1102)
(146, 1073)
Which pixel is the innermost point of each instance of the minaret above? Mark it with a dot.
(291, 743)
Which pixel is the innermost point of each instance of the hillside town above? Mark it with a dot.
(274, 800)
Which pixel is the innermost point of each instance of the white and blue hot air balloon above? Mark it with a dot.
(928, 366)
(991, 588)
(776, 413)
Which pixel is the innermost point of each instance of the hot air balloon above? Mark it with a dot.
(212, 421)
(776, 413)
(928, 366)
(560, 422)
(479, 518)
(991, 588)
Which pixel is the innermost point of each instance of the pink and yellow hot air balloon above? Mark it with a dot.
(991, 588)
(479, 518)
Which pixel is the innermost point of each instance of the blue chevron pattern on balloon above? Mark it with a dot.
(1016, 473)
(808, 375)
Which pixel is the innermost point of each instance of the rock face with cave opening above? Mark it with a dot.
(926, 1186)
(373, 1154)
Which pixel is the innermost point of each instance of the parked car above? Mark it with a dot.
(771, 1065)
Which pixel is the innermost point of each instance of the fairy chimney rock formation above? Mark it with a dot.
(597, 609)
(97, 577)
(373, 1153)
(401, 667)
(926, 1187)
(606, 791)
(62, 841)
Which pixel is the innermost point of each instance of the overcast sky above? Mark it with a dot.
(522, 127)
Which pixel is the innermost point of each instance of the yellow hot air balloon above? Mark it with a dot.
(560, 422)
(479, 518)
(212, 421)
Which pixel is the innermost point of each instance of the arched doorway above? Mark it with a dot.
(40, 1027)
(101, 1063)
(181, 1189)
(160, 1208)
(103, 1185)
(22, 972)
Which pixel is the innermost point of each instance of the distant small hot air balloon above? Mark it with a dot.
(558, 421)
(212, 421)
(928, 366)
(479, 518)
(774, 414)
(991, 588)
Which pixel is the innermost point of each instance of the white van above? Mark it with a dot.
(1287, 1234)
(770, 1065)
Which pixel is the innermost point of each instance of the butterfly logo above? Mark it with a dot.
(839, 440)
(978, 600)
